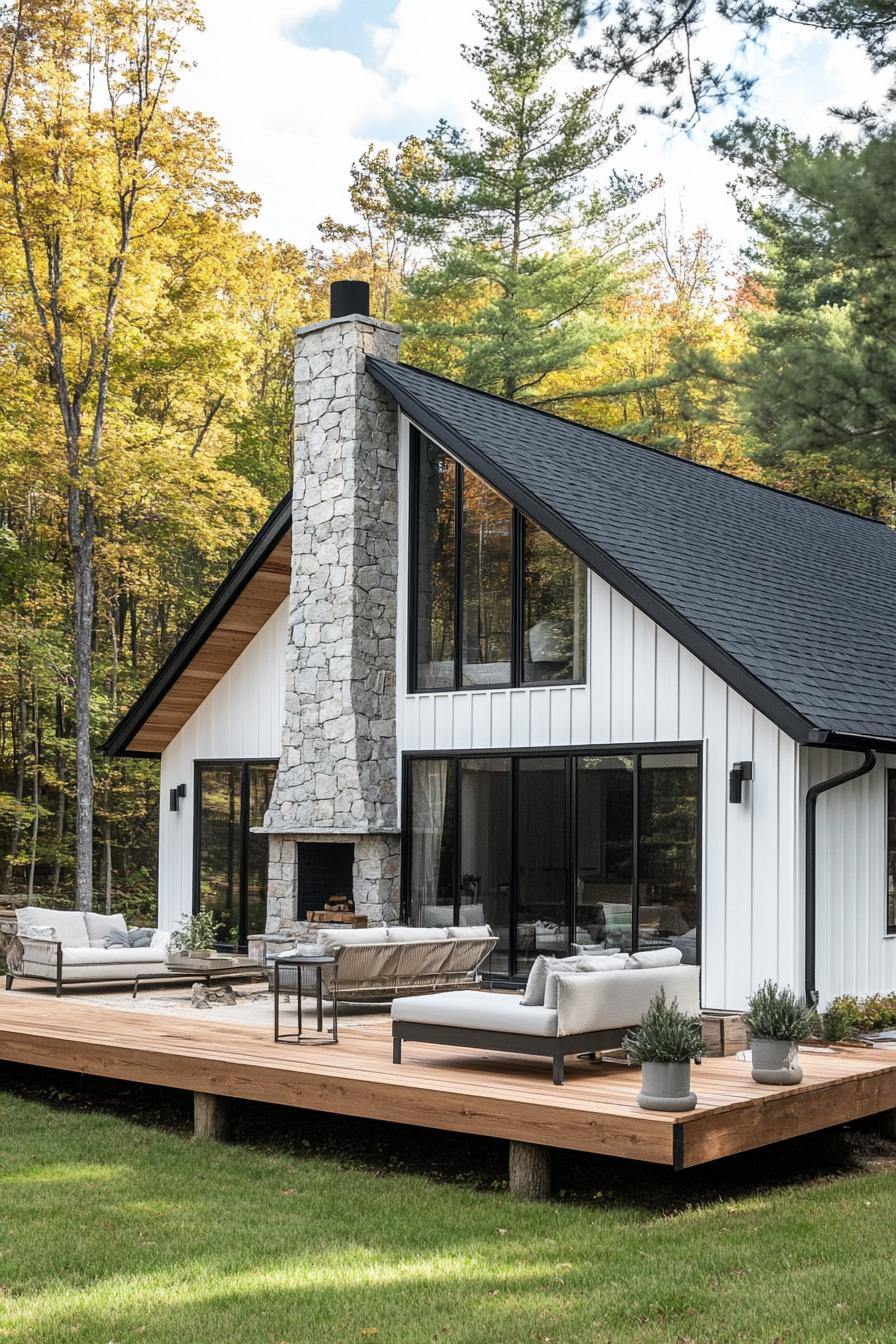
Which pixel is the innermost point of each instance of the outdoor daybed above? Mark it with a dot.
(69, 947)
(582, 1009)
(376, 964)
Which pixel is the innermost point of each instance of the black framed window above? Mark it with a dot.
(436, 580)
(486, 606)
(554, 848)
(230, 864)
(891, 851)
(555, 604)
(495, 599)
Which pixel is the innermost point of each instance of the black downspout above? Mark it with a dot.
(812, 795)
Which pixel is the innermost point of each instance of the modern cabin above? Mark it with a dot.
(487, 665)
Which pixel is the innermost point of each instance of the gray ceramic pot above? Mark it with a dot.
(776, 1062)
(666, 1087)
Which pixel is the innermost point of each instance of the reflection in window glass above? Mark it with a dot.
(435, 568)
(486, 603)
(554, 609)
(433, 839)
(260, 787)
(668, 813)
(604, 845)
(891, 851)
(485, 862)
(219, 844)
(542, 868)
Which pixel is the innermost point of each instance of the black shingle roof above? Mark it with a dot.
(792, 602)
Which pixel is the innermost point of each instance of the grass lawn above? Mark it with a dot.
(115, 1233)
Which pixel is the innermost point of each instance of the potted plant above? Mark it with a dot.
(664, 1044)
(776, 1020)
(196, 935)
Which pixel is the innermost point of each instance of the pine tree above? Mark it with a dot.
(821, 376)
(527, 251)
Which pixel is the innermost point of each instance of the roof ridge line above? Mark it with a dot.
(644, 447)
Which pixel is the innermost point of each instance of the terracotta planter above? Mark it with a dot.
(776, 1062)
(666, 1087)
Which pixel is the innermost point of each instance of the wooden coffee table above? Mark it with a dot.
(241, 968)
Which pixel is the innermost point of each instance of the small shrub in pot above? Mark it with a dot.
(776, 1020)
(664, 1043)
(196, 935)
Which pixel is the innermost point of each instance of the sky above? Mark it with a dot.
(300, 88)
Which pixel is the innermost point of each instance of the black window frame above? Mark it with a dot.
(245, 763)
(517, 580)
(890, 786)
(570, 754)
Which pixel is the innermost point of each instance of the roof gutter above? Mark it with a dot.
(813, 793)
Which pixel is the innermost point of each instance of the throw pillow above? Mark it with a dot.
(140, 937)
(115, 938)
(533, 995)
(553, 983)
(617, 962)
(99, 925)
(660, 956)
(469, 931)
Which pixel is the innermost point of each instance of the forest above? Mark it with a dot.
(147, 328)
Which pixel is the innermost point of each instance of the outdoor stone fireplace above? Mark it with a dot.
(336, 780)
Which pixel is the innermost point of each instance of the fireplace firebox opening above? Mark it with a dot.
(324, 876)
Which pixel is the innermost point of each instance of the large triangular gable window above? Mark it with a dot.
(495, 599)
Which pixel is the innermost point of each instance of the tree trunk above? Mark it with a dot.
(35, 824)
(19, 729)
(60, 805)
(81, 533)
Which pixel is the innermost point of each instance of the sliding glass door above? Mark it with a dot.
(542, 897)
(230, 874)
(586, 847)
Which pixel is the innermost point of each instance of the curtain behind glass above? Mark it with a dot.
(433, 827)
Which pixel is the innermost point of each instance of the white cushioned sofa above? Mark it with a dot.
(374, 964)
(583, 1009)
(68, 947)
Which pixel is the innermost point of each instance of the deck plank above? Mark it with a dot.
(441, 1087)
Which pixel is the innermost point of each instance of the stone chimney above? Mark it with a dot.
(336, 780)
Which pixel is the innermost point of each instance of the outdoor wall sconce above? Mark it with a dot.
(741, 771)
(175, 795)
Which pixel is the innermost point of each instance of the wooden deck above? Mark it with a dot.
(505, 1096)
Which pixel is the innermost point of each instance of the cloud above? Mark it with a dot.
(295, 113)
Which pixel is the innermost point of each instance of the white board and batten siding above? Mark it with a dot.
(643, 687)
(241, 719)
(854, 952)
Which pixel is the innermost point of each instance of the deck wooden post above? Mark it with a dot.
(529, 1170)
(211, 1116)
(885, 1124)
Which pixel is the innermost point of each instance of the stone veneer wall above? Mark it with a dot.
(337, 777)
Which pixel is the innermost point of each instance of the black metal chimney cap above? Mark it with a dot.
(349, 298)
